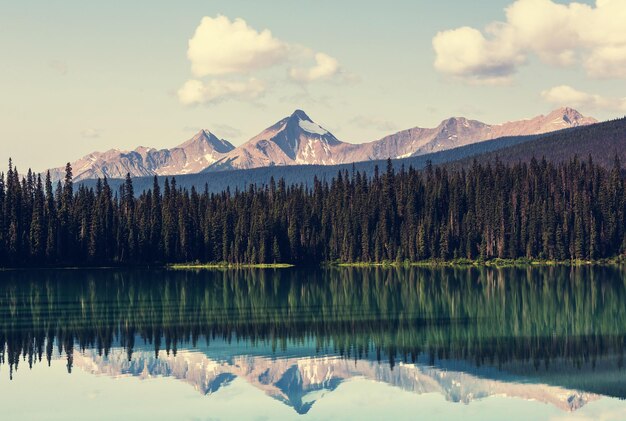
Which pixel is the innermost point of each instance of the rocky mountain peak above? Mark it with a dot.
(297, 123)
(206, 139)
(454, 122)
(303, 124)
(301, 115)
(203, 135)
(570, 117)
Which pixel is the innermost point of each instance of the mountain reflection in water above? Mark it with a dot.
(552, 334)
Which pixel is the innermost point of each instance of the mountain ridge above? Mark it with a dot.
(189, 157)
(600, 141)
(298, 140)
(460, 131)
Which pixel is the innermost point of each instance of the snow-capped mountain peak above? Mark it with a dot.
(192, 156)
(294, 140)
(297, 140)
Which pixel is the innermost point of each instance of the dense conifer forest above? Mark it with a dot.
(536, 210)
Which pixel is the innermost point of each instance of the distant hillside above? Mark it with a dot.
(602, 141)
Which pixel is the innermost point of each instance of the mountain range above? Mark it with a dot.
(298, 140)
(192, 156)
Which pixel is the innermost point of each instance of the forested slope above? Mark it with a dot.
(602, 141)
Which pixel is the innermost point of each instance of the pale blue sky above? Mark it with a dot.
(79, 76)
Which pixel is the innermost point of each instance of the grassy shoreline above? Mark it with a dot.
(497, 263)
(454, 263)
(187, 266)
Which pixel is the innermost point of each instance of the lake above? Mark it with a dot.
(541, 343)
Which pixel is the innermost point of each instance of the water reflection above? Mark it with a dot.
(554, 335)
(300, 381)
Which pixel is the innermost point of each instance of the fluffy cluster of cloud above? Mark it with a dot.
(221, 46)
(90, 133)
(374, 123)
(559, 34)
(198, 92)
(58, 66)
(566, 95)
(228, 50)
(325, 68)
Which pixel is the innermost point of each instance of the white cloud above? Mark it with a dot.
(230, 52)
(325, 68)
(90, 133)
(226, 130)
(221, 46)
(466, 53)
(195, 92)
(559, 34)
(607, 62)
(58, 66)
(375, 123)
(567, 96)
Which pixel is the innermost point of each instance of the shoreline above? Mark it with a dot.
(454, 263)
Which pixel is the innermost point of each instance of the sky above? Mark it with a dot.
(83, 76)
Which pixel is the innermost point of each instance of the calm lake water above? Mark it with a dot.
(340, 343)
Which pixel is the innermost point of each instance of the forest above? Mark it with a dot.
(534, 210)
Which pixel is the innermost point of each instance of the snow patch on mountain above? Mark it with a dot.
(309, 126)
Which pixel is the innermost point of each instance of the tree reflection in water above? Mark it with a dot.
(557, 324)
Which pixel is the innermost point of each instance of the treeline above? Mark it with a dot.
(539, 210)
